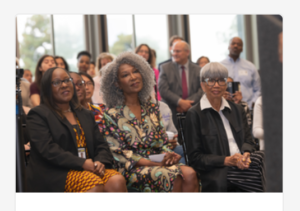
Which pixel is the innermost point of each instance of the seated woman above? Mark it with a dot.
(61, 62)
(45, 62)
(219, 142)
(134, 130)
(102, 60)
(85, 88)
(68, 153)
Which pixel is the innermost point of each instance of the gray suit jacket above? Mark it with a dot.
(170, 89)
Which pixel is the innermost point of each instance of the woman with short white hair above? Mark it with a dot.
(219, 142)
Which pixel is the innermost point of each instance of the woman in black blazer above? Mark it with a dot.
(219, 142)
(68, 153)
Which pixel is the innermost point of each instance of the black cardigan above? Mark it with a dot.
(207, 143)
(54, 148)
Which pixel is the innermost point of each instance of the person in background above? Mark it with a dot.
(243, 71)
(97, 109)
(83, 61)
(61, 62)
(101, 61)
(178, 82)
(153, 63)
(237, 98)
(173, 39)
(219, 141)
(203, 60)
(258, 128)
(68, 153)
(167, 119)
(45, 62)
(145, 51)
(134, 130)
(27, 75)
(92, 71)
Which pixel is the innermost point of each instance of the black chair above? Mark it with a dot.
(181, 140)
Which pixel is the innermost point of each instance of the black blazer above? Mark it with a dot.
(207, 143)
(54, 148)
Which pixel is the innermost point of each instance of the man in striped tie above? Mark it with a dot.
(178, 81)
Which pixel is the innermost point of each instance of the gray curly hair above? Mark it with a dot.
(112, 95)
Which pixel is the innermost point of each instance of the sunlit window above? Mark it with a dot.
(34, 36)
(120, 30)
(69, 37)
(210, 35)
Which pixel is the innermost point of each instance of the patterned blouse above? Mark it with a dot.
(131, 140)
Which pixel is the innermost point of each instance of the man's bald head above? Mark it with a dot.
(180, 52)
(235, 47)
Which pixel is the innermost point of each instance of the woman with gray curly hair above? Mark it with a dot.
(134, 130)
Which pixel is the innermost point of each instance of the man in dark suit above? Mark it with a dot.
(179, 79)
(173, 39)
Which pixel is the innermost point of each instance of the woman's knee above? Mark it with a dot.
(116, 183)
(189, 174)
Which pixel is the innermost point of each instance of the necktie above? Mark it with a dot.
(184, 84)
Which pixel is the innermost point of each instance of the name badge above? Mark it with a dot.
(243, 72)
(81, 152)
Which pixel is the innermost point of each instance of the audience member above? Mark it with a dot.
(61, 62)
(178, 82)
(102, 60)
(56, 164)
(258, 128)
(219, 142)
(97, 109)
(173, 39)
(27, 75)
(243, 71)
(44, 63)
(169, 126)
(153, 63)
(145, 51)
(92, 71)
(203, 60)
(237, 98)
(83, 61)
(133, 129)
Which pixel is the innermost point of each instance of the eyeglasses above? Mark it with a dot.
(80, 83)
(175, 51)
(146, 52)
(57, 83)
(212, 82)
(88, 83)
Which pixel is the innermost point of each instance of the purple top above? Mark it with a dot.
(34, 89)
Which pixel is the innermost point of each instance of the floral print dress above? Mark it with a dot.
(130, 140)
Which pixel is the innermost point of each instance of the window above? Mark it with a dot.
(34, 36)
(69, 38)
(210, 35)
(153, 31)
(119, 30)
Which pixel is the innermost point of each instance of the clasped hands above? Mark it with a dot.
(236, 97)
(184, 105)
(95, 167)
(238, 160)
(170, 159)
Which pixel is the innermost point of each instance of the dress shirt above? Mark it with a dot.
(258, 129)
(186, 69)
(246, 73)
(205, 104)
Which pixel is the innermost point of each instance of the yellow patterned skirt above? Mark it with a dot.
(82, 181)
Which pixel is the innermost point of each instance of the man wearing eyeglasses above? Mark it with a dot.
(178, 81)
(243, 71)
